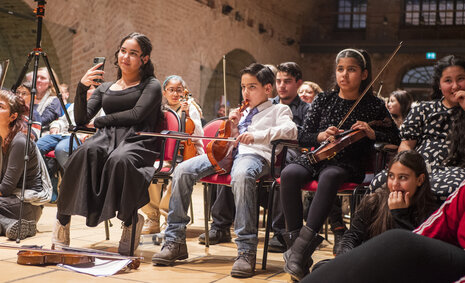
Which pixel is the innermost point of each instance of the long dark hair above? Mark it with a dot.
(16, 105)
(456, 155)
(443, 63)
(405, 101)
(422, 205)
(364, 65)
(146, 70)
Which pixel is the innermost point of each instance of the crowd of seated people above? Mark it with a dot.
(427, 172)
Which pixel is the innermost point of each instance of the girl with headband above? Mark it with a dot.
(353, 75)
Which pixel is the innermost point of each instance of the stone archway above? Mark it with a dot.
(18, 34)
(212, 79)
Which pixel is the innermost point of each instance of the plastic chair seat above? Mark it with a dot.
(225, 179)
(217, 179)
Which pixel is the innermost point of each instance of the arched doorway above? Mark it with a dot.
(18, 33)
(417, 81)
(212, 82)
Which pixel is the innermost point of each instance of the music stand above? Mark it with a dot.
(36, 54)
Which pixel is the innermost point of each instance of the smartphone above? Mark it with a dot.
(98, 60)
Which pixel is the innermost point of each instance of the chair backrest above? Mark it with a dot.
(172, 123)
(211, 128)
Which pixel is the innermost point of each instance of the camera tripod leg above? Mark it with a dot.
(36, 53)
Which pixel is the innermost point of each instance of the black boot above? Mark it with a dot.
(290, 237)
(298, 258)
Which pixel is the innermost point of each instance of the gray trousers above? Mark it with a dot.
(9, 209)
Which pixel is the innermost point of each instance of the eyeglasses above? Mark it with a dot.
(22, 93)
(175, 90)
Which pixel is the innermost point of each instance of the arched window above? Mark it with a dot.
(418, 76)
(418, 82)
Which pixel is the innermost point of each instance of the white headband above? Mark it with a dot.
(359, 54)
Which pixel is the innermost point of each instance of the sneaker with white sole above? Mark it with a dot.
(125, 241)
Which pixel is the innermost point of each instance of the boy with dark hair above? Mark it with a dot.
(261, 123)
(288, 80)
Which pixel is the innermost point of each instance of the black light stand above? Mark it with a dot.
(36, 53)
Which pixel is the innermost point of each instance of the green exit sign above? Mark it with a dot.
(431, 55)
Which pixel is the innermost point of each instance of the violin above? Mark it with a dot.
(34, 255)
(187, 127)
(44, 258)
(329, 148)
(219, 152)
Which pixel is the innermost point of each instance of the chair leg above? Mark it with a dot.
(192, 211)
(259, 188)
(206, 212)
(352, 207)
(107, 230)
(326, 229)
(257, 213)
(265, 211)
(268, 223)
(133, 233)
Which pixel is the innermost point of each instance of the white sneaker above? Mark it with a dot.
(125, 241)
(60, 236)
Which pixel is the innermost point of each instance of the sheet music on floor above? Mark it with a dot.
(100, 268)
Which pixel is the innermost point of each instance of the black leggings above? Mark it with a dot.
(395, 256)
(293, 178)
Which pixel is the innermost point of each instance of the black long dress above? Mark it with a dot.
(112, 170)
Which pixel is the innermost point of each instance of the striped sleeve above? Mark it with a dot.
(444, 223)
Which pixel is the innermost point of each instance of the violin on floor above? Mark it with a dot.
(35, 255)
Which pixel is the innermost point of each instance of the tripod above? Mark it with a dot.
(36, 54)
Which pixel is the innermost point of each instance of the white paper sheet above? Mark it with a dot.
(101, 267)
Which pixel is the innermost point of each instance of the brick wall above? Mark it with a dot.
(187, 36)
(190, 37)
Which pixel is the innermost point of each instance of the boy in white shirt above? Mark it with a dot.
(261, 123)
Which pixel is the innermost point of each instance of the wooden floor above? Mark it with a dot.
(203, 265)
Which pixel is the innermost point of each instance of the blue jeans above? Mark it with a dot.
(247, 168)
(59, 143)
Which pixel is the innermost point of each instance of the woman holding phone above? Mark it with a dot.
(109, 174)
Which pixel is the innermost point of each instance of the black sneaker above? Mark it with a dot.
(277, 244)
(216, 236)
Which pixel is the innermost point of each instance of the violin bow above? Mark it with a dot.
(369, 86)
(182, 136)
(72, 251)
(378, 93)
(224, 87)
